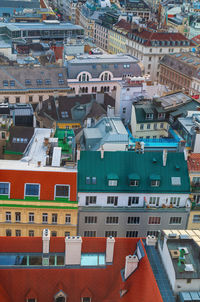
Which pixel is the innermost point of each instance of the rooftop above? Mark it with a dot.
(40, 25)
(112, 59)
(102, 283)
(194, 162)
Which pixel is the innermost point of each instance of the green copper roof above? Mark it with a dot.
(125, 163)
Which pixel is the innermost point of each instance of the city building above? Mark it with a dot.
(9, 7)
(181, 71)
(28, 200)
(32, 84)
(108, 133)
(46, 30)
(101, 73)
(150, 46)
(105, 269)
(130, 194)
(179, 251)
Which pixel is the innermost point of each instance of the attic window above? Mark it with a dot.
(31, 300)
(61, 82)
(87, 180)
(48, 82)
(112, 179)
(5, 83)
(64, 114)
(86, 299)
(134, 180)
(155, 180)
(39, 82)
(27, 82)
(12, 83)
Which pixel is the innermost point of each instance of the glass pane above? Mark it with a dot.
(35, 260)
(52, 260)
(13, 260)
(89, 259)
(62, 191)
(101, 259)
(32, 190)
(60, 260)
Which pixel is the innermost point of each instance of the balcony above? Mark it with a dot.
(195, 188)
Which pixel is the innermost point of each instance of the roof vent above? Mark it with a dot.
(154, 160)
(189, 268)
(172, 235)
(184, 236)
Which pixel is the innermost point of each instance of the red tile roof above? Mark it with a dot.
(194, 162)
(102, 284)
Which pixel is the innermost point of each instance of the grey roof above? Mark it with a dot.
(174, 99)
(103, 59)
(38, 26)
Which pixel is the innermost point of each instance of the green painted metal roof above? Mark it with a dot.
(112, 176)
(124, 163)
(134, 176)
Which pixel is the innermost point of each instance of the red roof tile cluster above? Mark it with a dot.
(194, 162)
(101, 284)
(123, 24)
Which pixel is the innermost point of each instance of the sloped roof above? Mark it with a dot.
(103, 284)
(123, 163)
(194, 162)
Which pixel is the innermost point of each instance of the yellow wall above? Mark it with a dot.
(38, 208)
(191, 224)
(116, 42)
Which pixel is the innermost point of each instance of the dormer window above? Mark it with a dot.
(112, 180)
(60, 297)
(86, 299)
(149, 116)
(161, 116)
(155, 180)
(134, 180)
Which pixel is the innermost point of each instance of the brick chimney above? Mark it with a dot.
(73, 250)
(45, 241)
(131, 265)
(110, 243)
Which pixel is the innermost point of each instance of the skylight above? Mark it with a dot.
(176, 181)
(92, 259)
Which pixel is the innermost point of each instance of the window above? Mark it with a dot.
(40, 98)
(87, 180)
(32, 190)
(133, 200)
(131, 233)
(31, 300)
(110, 233)
(90, 200)
(153, 233)
(112, 183)
(94, 180)
(86, 299)
(154, 220)
(148, 126)
(141, 126)
(67, 234)
(8, 216)
(175, 220)
(68, 218)
(31, 217)
(154, 201)
(54, 218)
(90, 219)
(27, 82)
(17, 99)
(112, 220)
(31, 233)
(124, 110)
(134, 183)
(149, 66)
(155, 183)
(4, 188)
(44, 218)
(30, 98)
(5, 83)
(175, 201)
(53, 233)
(12, 83)
(8, 233)
(89, 233)
(133, 220)
(17, 216)
(196, 219)
(62, 191)
(155, 126)
(112, 200)
(18, 233)
(39, 82)
(161, 125)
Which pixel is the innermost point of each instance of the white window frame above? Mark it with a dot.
(68, 217)
(30, 215)
(136, 182)
(61, 185)
(45, 216)
(112, 182)
(156, 183)
(31, 195)
(10, 214)
(156, 218)
(5, 182)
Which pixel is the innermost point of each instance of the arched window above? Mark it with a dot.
(84, 77)
(106, 76)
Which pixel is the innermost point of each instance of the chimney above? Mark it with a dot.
(131, 265)
(73, 250)
(102, 152)
(151, 240)
(45, 241)
(185, 153)
(78, 153)
(164, 157)
(110, 243)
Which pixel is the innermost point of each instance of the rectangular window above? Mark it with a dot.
(112, 220)
(141, 126)
(131, 233)
(112, 183)
(112, 200)
(54, 218)
(62, 191)
(196, 219)
(155, 183)
(175, 201)
(30, 99)
(91, 219)
(31, 233)
(110, 233)
(90, 200)
(5, 83)
(133, 200)
(44, 218)
(32, 190)
(153, 233)
(8, 233)
(154, 201)
(31, 217)
(89, 233)
(94, 180)
(133, 220)
(87, 180)
(175, 220)
(124, 110)
(134, 183)
(4, 188)
(68, 218)
(54, 234)
(8, 216)
(67, 234)
(18, 233)
(17, 216)
(161, 125)
(154, 220)
(148, 126)
(17, 99)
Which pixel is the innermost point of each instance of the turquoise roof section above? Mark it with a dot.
(125, 163)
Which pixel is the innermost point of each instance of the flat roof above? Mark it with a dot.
(105, 58)
(36, 26)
